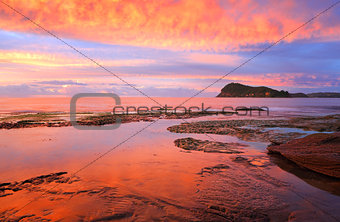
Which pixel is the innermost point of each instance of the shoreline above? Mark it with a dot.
(61, 119)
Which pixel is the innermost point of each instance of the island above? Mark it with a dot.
(240, 90)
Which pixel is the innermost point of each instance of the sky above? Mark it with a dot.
(166, 48)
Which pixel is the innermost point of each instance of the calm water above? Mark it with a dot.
(149, 175)
(293, 106)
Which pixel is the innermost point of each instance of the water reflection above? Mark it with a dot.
(323, 182)
(147, 178)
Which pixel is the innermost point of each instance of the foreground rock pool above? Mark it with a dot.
(50, 174)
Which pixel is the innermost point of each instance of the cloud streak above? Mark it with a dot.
(58, 60)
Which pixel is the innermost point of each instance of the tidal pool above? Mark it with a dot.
(149, 178)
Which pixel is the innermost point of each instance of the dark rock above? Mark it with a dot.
(239, 90)
(247, 130)
(33, 182)
(240, 159)
(214, 169)
(319, 152)
(208, 146)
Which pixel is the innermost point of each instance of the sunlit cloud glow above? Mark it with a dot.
(177, 45)
(183, 24)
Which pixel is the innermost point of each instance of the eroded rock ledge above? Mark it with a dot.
(208, 146)
(247, 130)
(319, 152)
(13, 121)
(7, 189)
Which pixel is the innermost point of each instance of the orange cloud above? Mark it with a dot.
(36, 59)
(51, 60)
(180, 24)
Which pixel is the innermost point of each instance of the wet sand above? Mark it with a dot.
(150, 178)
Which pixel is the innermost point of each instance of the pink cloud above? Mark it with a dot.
(183, 24)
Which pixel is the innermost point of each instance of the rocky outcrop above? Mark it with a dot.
(239, 90)
(247, 130)
(319, 152)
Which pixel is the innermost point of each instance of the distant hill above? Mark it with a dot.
(324, 95)
(298, 95)
(240, 90)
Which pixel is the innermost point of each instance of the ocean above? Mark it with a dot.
(286, 106)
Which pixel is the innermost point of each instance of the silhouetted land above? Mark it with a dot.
(240, 90)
